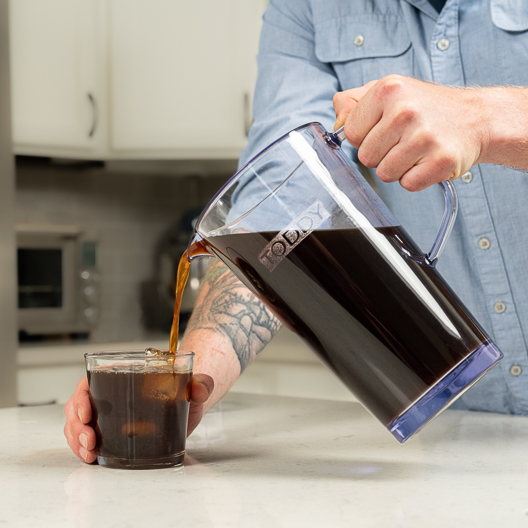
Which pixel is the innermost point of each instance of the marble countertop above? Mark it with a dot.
(266, 461)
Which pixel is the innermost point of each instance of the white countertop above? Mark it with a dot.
(265, 461)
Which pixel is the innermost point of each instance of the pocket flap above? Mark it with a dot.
(360, 37)
(510, 15)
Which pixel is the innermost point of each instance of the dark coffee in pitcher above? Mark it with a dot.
(387, 325)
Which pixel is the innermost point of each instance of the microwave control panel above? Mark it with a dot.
(90, 280)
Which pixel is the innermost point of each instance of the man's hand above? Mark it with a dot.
(81, 436)
(416, 132)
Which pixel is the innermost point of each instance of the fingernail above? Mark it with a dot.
(84, 440)
(84, 454)
(79, 412)
(340, 122)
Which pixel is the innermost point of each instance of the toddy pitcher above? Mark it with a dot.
(303, 230)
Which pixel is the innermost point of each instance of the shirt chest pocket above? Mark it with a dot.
(364, 47)
(510, 44)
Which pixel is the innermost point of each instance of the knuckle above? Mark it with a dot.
(75, 430)
(427, 137)
(390, 84)
(72, 446)
(367, 157)
(337, 98)
(352, 134)
(410, 184)
(447, 163)
(405, 113)
(385, 175)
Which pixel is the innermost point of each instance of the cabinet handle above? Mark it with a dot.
(248, 119)
(91, 98)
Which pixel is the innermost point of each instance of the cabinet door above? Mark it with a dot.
(53, 75)
(182, 76)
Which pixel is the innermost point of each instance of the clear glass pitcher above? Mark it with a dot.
(303, 230)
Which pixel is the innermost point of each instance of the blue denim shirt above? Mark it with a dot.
(309, 51)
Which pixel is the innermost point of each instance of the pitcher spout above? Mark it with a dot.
(197, 248)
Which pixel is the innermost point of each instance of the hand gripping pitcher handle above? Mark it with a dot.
(450, 211)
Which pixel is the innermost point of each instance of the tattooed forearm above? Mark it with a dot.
(230, 308)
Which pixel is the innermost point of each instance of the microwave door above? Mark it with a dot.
(46, 284)
(40, 278)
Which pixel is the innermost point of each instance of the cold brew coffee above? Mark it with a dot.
(140, 412)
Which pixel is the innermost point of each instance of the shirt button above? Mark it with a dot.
(466, 178)
(499, 307)
(484, 243)
(359, 40)
(515, 370)
(443, 44)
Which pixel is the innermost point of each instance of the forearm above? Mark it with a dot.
(228, 328)
(505, 125)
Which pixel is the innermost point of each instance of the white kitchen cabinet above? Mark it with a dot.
(133, 79)
(41, 385)
(182, 75)
(56, 84)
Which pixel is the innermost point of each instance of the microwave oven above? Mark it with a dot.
(58, 280)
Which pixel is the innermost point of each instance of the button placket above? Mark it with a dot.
(489, 265)
(506, 328)
(446, 63)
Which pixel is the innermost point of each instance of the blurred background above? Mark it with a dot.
(119, 120)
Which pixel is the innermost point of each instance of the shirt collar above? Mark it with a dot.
(425, 7)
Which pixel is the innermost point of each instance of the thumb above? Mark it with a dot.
(344, 102)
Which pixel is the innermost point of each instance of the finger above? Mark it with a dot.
(363, 118)
(81, 401)
(83, 434)
(345, 106)
(379, 142)
(80, 451)
(67, 407)
(195, 416)
(400, 159)
(344, 102)
(202, 387)
(79, 435)
(429, 172)
(381, 97)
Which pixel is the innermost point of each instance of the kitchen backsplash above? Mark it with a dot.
(129, 212)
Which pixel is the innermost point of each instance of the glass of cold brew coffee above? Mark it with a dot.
(140, 403)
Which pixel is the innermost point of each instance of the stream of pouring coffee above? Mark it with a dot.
(184, 268)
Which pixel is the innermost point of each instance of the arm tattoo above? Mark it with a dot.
(231, 309)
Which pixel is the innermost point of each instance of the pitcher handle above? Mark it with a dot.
(450, 212)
